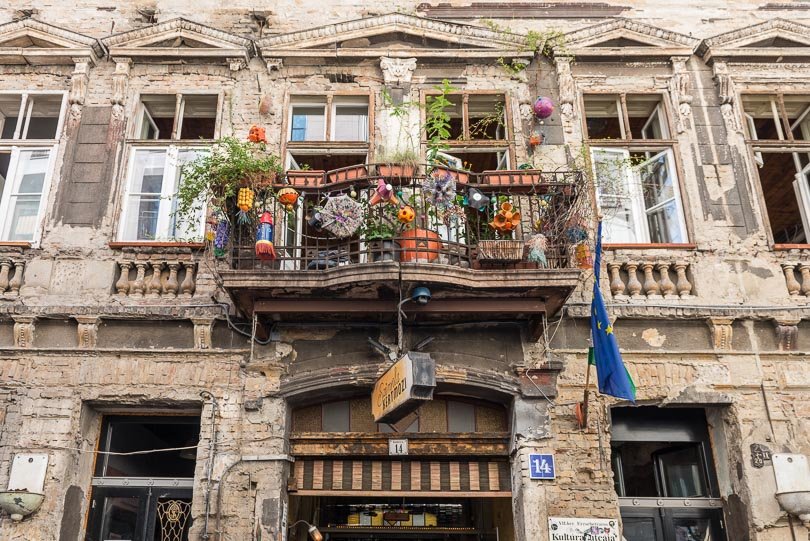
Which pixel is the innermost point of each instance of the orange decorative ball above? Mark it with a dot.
(257, 135)
(406, 214)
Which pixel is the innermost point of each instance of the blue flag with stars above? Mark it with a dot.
(614, 379)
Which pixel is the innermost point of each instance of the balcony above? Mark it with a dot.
(463, 236)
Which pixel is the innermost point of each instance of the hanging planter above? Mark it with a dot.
(515, 177)
(303, 178)
(459, 175)
(347, 173)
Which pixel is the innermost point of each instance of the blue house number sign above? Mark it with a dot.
(541, 467)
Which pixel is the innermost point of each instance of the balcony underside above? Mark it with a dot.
(371, 292)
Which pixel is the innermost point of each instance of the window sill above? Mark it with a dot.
(132, 244)
(786, 247)
(15, 244)
(647, 246)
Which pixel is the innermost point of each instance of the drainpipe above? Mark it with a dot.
(212, 445)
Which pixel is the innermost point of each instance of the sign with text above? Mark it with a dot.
(583, 529)
(397, 447)
(541, 466)
(403, 387)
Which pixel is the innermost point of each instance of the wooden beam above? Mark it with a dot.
(435, 306)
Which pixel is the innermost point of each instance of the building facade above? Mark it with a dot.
(158, 386)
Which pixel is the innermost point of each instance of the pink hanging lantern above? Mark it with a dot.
(543, 107)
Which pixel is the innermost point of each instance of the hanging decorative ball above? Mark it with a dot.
(264, 238)
(288, 197)
(244, 200)
(383, 192)
(221, 236)
(406, 214)
(543, 107)
(257, 135)
(353, 194)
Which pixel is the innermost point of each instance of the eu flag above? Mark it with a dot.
(614, 379)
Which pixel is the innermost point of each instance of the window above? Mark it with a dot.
(778, 130)
(637, 182)
(154, 172)
(329, 118)
(479, 137)
(144, 496)
(30, 125)
(661, 458)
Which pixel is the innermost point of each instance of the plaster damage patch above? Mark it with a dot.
(653, 337)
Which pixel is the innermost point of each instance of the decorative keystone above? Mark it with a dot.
(203, 327)
(721, 332)
(88, 331)
(24, 331)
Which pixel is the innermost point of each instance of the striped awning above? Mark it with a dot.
(359, 477)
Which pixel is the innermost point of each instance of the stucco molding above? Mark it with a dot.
(657, 42)
(737, 43)
(68, 45)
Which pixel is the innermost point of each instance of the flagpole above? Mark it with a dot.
(585, 398)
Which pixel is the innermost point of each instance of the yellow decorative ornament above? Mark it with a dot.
(406, 214)
(244, 200)
(507, 219)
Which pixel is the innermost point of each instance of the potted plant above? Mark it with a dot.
(496, 243)
(305, 177)
(379, 230)
(217, 176)
(441, 168)
(522, 176)
(399, 164)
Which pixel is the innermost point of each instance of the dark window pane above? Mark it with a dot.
(460, 417)
(682, 472)
(120, 518)
(199, 117)
(603, 117)
(126, 436)
(640, 529)
(44, 117)
(336, 417)
(9, 113)
(691, 529)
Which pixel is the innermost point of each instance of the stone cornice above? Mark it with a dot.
(682, 311)
(70, 45)
(140, 42)
(658, 41)
(472, 36)
(733, 44)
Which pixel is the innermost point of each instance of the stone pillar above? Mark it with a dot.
(24, 331)
(529, 499)
(202, 332)
(88, 331)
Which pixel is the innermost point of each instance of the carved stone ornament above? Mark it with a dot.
(274, 64)
(567, 92)
(88, 331)
(680, 88)
(787, 333)
(725, 90)
(721, 332)
(78, 82)
(202, 332)
(236, 64)
(120, 79)
(397, 71)
(24, 331)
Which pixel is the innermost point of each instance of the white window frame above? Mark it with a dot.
(348, 101)
(636, 196)
(302, 101)
(329, 108)
(169, 187)
(141, 113)
(16, 145)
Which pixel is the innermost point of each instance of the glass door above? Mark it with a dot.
(139, 514)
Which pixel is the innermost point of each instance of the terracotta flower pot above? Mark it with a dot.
(396, 170)
(419, 245)
(518, 177)
(310, 177)
(457, 174)
(351, 173)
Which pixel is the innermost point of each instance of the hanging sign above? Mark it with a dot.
(403, 387)
(583, 529)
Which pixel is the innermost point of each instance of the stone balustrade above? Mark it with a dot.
(650, 279)
(156, 277)
(11, 276)
(797, 278)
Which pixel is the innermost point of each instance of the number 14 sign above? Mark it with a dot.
(541, 467)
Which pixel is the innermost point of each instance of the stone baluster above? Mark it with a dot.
(122, 285)
(153, 286)
(5, 268)
(138, 286)
(633, 285)
(793, 285)
(805, 270)
(651, 287)
(16, 281)
(682, 284)
(617, 287)
(171, 286)
(667, 286)
(187, 287)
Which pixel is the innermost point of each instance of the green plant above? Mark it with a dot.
(381, 222)
(217, 175)
(480, 128)
(547, 43)
(437, 119)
